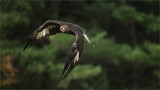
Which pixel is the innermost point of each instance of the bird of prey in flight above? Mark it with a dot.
(52, 27)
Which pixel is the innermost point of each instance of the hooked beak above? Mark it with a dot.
(88, 40)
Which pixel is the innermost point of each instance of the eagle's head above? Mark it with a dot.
(64, 28)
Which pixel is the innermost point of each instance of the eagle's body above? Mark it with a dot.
(52, 27)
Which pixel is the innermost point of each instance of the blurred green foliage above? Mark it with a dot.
(125, 35)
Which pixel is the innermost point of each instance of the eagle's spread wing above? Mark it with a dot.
(72, 59)
(47, 29)
(74, 54)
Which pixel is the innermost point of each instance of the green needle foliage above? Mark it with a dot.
(125, 35)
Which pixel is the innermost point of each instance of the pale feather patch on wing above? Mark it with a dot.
(76, 57)
(45, 32)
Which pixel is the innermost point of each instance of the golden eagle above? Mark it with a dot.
(52, 27)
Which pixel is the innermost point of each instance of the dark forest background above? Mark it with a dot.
(125, 34)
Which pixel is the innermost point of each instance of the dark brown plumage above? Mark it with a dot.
(52, 27)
